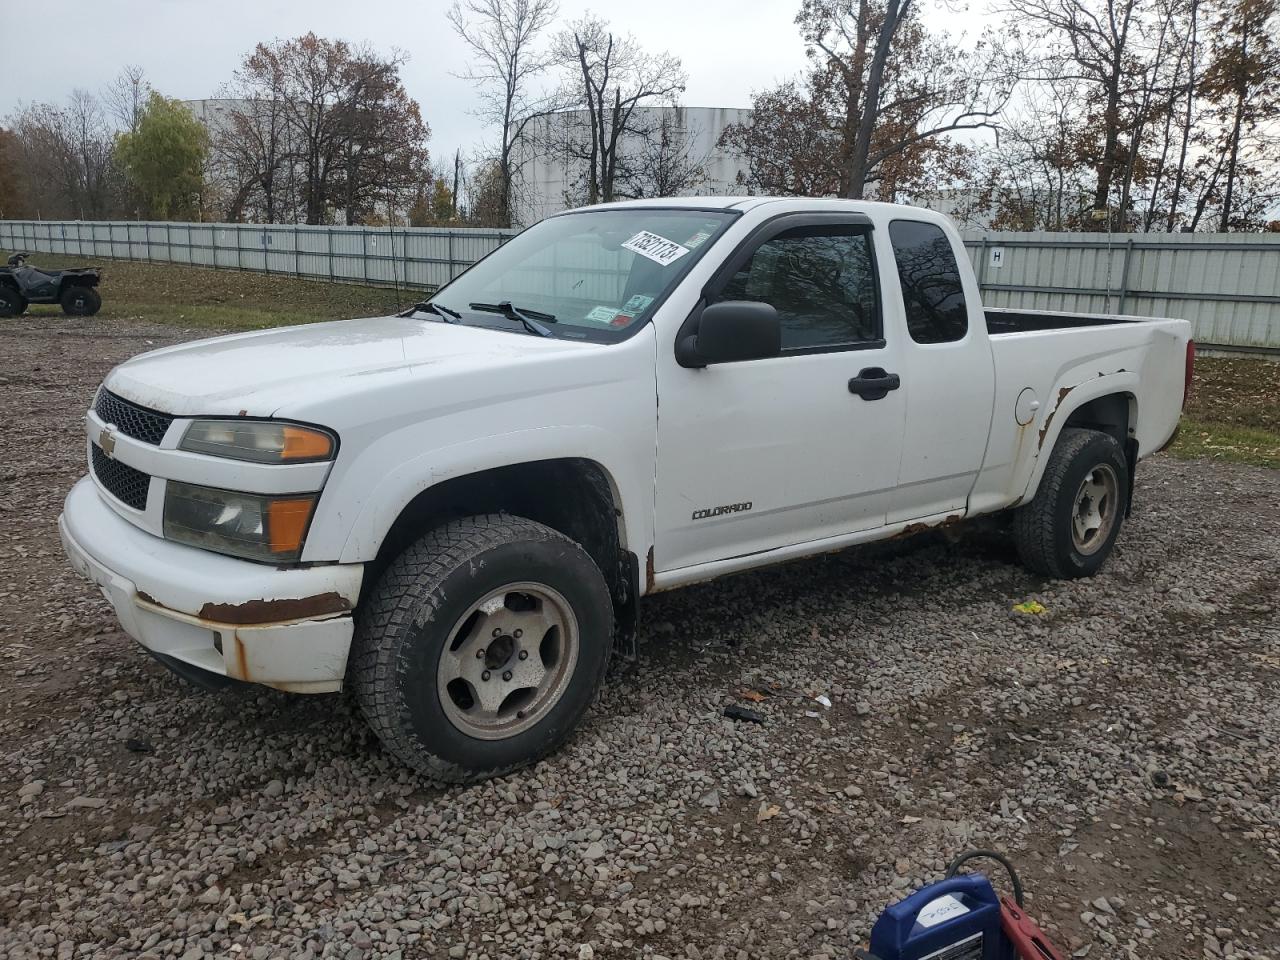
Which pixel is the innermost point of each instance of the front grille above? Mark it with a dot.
(149, 426)
(122, 481)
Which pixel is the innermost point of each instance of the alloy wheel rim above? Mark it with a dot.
(508, 660)
(1094, 511)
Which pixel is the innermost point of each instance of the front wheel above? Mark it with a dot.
(81, 301)
(12, 303)
(1071, 525)
(481, 647)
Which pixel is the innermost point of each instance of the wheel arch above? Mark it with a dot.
(1108, 404)
(575, 496)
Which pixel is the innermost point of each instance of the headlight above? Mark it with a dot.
(261, 441)
(249, 525)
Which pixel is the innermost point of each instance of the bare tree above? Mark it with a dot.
(664, 162)
(333, 117)
(1244, 79)
(610, 78)
(894, 86)
(876, 107)
(126, 96)
(1099, 38)
(65, 160)
(252, 152)
(382, 155)
(503, 34)
(14, 202)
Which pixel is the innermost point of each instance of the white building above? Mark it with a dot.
(551, 177)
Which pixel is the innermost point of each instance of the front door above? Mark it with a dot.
(762, 454)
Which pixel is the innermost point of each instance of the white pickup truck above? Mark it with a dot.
(454, 511)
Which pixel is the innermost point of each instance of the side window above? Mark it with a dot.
(822, 282)
(931, 290)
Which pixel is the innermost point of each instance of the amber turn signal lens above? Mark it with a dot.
(303, 444)
(287, 523)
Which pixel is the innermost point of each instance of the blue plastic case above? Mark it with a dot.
(928, 926)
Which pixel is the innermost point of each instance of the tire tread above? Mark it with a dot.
(1033, 523)
(375, 661)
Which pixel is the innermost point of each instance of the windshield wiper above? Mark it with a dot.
(529, 318)
(426, 306)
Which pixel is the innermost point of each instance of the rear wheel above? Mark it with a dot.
(12, 303)
(1070, 527)
(80, 301)
(481, 647)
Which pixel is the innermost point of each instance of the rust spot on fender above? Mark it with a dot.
(269, 611)
(1044, 431)
(649, 573)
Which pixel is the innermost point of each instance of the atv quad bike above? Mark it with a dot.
(74, 289)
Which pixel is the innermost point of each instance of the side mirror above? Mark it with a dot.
(730, 331)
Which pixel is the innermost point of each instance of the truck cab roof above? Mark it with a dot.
(781, 204)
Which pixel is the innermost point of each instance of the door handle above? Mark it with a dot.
(874, 383)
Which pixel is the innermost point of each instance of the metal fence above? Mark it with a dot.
(1227, 285)
(423, 257)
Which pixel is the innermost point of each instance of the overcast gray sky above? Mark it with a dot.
(189, 48)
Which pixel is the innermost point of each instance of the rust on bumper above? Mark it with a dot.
(272, 611)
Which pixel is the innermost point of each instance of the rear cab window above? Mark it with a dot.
(932, 291)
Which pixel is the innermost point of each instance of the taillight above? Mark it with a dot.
(1191, 371)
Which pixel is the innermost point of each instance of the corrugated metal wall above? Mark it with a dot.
(414, 257)
(1227, 285)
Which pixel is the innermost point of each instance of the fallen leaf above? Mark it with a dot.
(767, 811)
(755, 696)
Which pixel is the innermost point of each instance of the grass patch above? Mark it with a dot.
(221, 300)
(1243, 392)
(1217, 441)
(1234, 412)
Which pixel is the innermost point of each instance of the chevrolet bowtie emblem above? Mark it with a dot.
(107, 440)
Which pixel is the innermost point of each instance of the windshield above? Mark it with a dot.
(591, 275)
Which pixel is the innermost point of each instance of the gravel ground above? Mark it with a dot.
(1122, 746)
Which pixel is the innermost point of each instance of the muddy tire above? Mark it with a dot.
(1069, 528)
(481, 647)
(80, 301)
(12, 303)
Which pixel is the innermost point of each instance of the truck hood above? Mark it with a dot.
(267, 372)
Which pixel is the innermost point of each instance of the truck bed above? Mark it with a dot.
(1002, 321)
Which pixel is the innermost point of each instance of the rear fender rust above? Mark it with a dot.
(1063, 393)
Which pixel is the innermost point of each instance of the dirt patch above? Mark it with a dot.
(1122, 747)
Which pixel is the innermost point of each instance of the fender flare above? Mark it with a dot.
(383, 504)
(1067, 400)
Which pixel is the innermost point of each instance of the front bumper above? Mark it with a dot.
(285, 628)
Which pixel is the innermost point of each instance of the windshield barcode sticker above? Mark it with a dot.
(658, 249)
